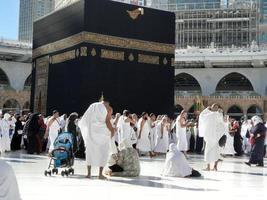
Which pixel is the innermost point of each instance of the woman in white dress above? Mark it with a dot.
(229, 146)
(143, 142)
(176, 164)
(162, 131)
(181, 124)
(5, 126)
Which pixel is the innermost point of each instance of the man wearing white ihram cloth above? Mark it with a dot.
(181, 124)
(97, 131)
(5, 125)
(143, 142)
(212, 128)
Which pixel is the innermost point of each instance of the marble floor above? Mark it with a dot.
(234, 180)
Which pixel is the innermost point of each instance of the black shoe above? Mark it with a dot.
(248, 163)
(260, 165)
(195, 173)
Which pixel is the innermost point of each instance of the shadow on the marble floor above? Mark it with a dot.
(80, 176)
(18, 161)
(247, 173)
(19, 155)
(203, 178)
(143, 181)
(35, 158)
(151, 159)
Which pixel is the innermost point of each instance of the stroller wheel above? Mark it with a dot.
(53, 171)
(56, 170)
(49, 172)
(71, 171)
(66, 173)
(45, 173)
(63, 173)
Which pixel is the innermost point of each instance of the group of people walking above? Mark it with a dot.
(117, 141)
(214, 127)
(33, 132)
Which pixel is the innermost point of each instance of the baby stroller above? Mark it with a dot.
(62, 156)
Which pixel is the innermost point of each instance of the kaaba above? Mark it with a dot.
(95, 48)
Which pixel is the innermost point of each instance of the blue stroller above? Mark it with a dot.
(62, 156)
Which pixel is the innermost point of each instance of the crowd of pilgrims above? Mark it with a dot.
(146, 134)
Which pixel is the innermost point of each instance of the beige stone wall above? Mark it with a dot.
(226, 102)
(20, 96)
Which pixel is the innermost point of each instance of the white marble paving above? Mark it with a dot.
(234, 180)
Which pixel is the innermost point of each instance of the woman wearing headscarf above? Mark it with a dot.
(257, 133)
(127, 162)
(4, 133)
(238, 140)
(176, 164)
(71, 127)
(16, 139)
(42, 142)
(32, 131)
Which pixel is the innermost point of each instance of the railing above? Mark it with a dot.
(221, 97)
(15, 43)
(176, 6)
(186, 6)
(210, 49)
(218, 94)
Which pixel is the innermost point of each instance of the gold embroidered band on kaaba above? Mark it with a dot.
(105, 40)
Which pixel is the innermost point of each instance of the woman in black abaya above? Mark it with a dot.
(257, 133)
(16, 139)
(32, 131)
(238, 140)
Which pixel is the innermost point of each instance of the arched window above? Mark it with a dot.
(254, 110)
(178, 109)
(186, 82)
(28, 81)
(235, 112)
(3, 78)
(11, 105)
(234, 82)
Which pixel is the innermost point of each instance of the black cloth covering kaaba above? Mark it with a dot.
(92, 47)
